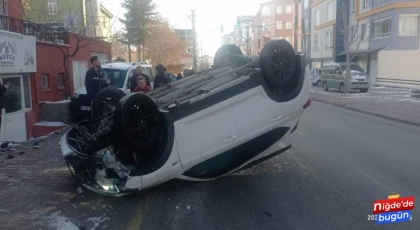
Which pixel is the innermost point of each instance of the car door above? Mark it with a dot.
(255, 113)
(326, 76)
(206, 134)
(338, 76)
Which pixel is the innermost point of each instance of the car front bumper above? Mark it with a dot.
(360, 84)
(100, 183)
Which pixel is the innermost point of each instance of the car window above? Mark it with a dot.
(328, 70)
(353, 67)
(117, 76)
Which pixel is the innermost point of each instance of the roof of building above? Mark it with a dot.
(106, 11)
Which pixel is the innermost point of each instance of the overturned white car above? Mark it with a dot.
(200, 128)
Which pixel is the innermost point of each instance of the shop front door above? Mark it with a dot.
(13, 125)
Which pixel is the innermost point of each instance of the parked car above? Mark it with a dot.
(214, 123)
(119, 73)
(333, 76)
(316, 77)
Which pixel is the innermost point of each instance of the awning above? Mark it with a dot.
(365, 51)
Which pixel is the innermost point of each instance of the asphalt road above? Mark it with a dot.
(340, 163)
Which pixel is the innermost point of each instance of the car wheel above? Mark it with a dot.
(341, 88)
(225, 55)
(325, 86)
(278, 63)
(138, 121)
(363, 90)
(106, 101)
(318, 83)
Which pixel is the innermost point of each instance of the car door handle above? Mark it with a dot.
(231, 138)
(276, 118)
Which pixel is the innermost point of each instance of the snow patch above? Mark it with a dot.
(59, 222)
(58, 102)
(50, 123)
(97, 221)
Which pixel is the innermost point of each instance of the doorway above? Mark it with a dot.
(17, 100)
(79, 72)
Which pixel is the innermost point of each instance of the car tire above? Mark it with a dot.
(278, 63)
(106, 101)
(325, 86)
(225, 55)
(318, 83)
(341, 88)
(139, 123)
(363, 90)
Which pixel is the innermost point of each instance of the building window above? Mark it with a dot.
(328, 40)
(27, 91)
(265, 25)
(408, 25)
(316, 42)
(288, 9)
(377, 2)
(317, 20)
(61, 81)
(45, 81)
(305, 4)
(289, 39)
(381, 28)
(288, 25)
(365, 4)
(330, 11)
(52, 6)
(279, 25)
(279, 9)
(365, 31)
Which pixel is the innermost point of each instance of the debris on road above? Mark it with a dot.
(9, 157)
(268, 214)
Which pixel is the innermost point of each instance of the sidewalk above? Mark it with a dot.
(383, 102)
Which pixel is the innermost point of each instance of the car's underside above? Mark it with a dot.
(133, 135)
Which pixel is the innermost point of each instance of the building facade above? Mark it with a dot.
(87, 17)
(243, 33)
(228, 38)
(306, 27)
(323, 32)
(274, 20)
(37, 80)
(186, 35)
(389, 31)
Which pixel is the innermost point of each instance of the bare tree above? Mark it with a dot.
(162, 45)
(351, 37)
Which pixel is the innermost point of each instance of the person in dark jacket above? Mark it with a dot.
(161, 78)
(179, 76)
(94, 80)
(3, 90)
(134, 79)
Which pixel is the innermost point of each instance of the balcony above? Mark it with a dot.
(42, 32)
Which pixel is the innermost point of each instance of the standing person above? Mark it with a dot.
(134, 79)
(3, 90)
(93, 80)
(142, 87)
(160, 78)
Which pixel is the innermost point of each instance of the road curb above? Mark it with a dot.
(346, 106)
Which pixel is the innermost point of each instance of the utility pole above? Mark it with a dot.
(247, 41)
(194, 40)
(295, 40)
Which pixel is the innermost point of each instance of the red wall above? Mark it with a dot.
(49, 61)
(84, 53)
(14, 8)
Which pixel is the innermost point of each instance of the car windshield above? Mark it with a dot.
(117, 76)
(354, 68)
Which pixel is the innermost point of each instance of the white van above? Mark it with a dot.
(119, 73)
